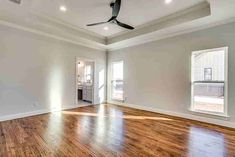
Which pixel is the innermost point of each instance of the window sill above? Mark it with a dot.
(210, 113)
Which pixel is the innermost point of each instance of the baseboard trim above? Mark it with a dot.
(224, 123)
(38, 112)
(22, 115)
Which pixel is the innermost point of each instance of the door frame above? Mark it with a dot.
(93, 77)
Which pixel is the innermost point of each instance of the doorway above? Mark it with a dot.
(85, 70)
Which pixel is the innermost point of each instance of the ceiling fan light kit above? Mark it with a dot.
(116, 9)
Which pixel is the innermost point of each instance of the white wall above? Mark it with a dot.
(38, 73)
(157, 75)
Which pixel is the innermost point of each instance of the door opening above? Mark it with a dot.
(85, 82)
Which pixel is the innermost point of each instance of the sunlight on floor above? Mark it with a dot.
(115, 116)
(204, 142)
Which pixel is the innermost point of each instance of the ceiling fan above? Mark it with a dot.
(116, 8)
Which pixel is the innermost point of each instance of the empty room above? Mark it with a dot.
(117, 78)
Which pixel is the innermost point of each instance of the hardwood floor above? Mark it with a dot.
(108, 130)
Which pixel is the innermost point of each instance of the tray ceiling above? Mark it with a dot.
(133, 12)
(153, 19)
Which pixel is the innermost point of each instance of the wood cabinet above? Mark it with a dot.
(87, 93)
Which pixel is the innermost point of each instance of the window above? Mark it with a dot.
(88, 74)
(117, 81)
(208, 74)
(209, 81)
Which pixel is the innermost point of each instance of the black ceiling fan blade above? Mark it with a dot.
(124, 25)
(94, 24)
(116, 8)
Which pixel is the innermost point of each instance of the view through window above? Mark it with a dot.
(88, 74)
(208, 80)
(117, 81)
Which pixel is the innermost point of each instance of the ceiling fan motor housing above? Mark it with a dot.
(112, 4)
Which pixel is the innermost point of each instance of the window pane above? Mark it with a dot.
(88, 74)
(88, 70)
(118, 71)
(117, 81)
(117, 90)
(209, 97)
(208, 81)
(208, 74)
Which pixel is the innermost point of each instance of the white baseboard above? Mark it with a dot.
(35, 113)
(22, 115)
(177, 114)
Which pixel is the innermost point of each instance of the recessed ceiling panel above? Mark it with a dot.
(134, 12)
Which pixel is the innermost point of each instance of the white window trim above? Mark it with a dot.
(111, 94)
(225, 114)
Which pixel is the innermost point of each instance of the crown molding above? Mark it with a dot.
(187, 21)
(69, 38)
(166, 33)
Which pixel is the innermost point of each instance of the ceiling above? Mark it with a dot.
(82, 12)
(133, 12)
(153, 19)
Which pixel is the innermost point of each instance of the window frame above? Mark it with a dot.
(225, 113)
(112, 80)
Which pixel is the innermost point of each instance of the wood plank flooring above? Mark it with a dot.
(108, 130)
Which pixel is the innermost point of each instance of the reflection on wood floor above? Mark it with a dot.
(108, 130)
